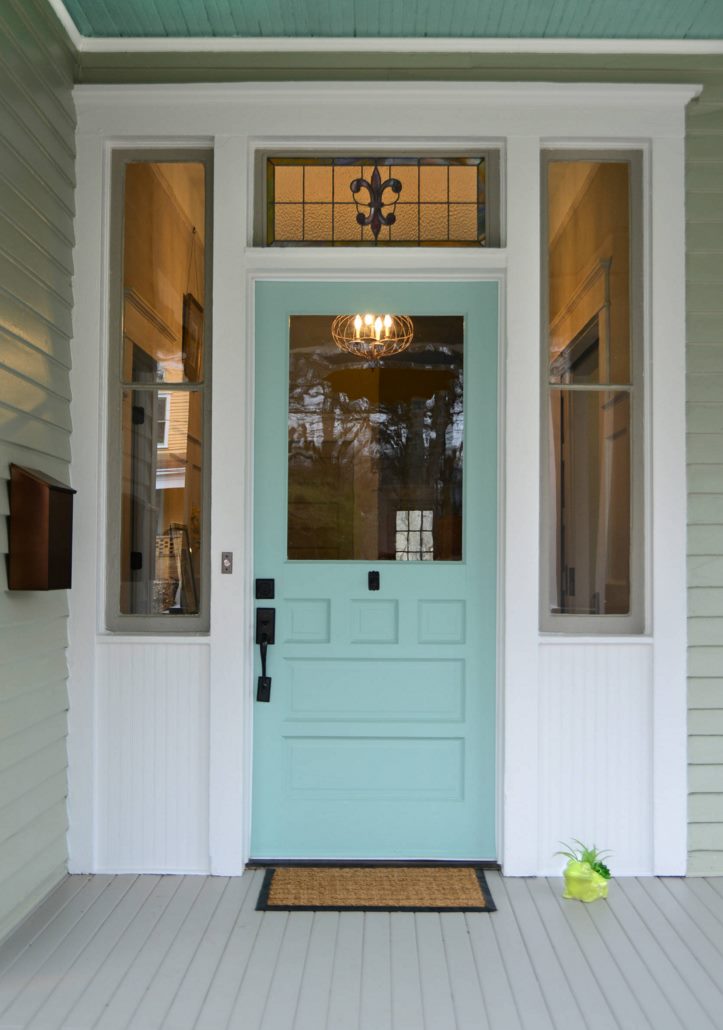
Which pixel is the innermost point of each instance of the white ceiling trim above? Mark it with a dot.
(67, 22)
(385, 45)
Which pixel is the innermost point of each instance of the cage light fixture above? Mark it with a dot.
(371, 335)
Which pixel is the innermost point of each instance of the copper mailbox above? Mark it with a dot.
(41, 531)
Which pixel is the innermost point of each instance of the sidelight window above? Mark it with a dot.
(159, 394)
(592, 474)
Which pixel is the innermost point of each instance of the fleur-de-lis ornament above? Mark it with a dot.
(376, 217)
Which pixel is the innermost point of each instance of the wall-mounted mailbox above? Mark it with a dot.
(41, 531)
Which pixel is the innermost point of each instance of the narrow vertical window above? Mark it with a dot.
(159, 387)
(592, 352)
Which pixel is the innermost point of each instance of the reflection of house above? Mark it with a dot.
(618, 697)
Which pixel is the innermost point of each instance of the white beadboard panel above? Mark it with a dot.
(152, 756)
(37, 133)
(595, 751)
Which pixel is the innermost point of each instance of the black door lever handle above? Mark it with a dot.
(265, 635)
(264, 649)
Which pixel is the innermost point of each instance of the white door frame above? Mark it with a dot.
(520, 119)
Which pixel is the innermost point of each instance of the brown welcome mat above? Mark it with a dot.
(375, 888)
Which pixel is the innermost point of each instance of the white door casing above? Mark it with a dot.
(630, 689)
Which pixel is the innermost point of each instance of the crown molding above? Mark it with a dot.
(382, 45)
(68, 24)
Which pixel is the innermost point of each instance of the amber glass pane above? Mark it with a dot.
(375, 449)
(590, 479)
(343, 177)
(317, 184)
(161, 505)
(408, 175)
(463, 221)
(317, 221)
(346, 226)
(433, 183)
(289, 221)
(433, 221)
(588, 218)
(406, 226)
(288, 184)
(163, 272)
(462, 184)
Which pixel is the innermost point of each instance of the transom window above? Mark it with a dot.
(371, 201)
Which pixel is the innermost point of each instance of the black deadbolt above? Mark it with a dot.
(373, 580)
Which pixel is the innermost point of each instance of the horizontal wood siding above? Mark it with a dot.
(705, 478)
(37, 180)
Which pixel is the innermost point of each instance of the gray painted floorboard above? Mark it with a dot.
(192, 953)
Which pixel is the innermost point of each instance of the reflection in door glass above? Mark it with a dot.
(375, 448)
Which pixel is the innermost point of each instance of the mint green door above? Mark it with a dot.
(378, 741)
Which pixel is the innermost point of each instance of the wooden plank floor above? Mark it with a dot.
(146, 952)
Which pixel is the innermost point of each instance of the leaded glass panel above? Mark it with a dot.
(388, 201)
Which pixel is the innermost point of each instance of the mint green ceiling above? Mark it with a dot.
(573, 19)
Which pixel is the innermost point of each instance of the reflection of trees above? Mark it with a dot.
(404, 419)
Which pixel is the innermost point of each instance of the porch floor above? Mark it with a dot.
(181, 952)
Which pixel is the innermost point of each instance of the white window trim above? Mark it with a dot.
(523, 119)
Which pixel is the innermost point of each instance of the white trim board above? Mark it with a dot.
(237, 120)
(373, 45)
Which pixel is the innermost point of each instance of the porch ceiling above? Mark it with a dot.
(481, 19)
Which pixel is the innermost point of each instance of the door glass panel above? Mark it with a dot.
(375, 447)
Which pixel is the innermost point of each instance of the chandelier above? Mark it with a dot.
(372, 336)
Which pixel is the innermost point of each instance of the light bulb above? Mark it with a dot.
(378, 326)
(357, 325)
(369, 320)
(387, 324)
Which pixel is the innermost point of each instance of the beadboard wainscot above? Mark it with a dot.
(596, 750)
(152, 760)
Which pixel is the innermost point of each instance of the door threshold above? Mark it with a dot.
(356, 863)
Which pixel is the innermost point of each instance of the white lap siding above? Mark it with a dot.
(705, 474)
(37, 176)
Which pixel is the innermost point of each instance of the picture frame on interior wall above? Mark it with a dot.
(192, 340)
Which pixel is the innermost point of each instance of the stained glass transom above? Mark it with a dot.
(352, 201)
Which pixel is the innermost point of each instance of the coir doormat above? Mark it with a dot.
(375, 889)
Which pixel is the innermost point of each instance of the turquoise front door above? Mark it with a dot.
(376, 519)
